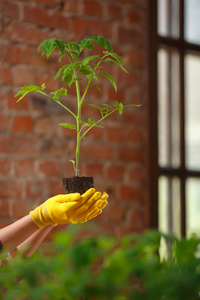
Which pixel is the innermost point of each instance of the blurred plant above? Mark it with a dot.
(102, 268)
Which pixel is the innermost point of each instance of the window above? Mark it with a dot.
(175, 115)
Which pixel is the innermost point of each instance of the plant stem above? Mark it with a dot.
(78, 122)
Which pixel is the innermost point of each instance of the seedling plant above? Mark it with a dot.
(79, 69)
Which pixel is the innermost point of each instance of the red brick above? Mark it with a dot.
(115, 172)
(23, 124)
(114, 11)
(18, 209)
(24, 167)
(22, 76)
(90, 151)
(55, 188)
(128, 153)
(134, 219)
(36, 36)
(12, 104)
(114, 212)
(134, 135)
(96, 133)
(115, 134)
(35, 190)
(51, 85)
(135, 17)
(94, 170)
(129, 193)
(4, 209)
(136, 173)
(49, 168)
(130, 36)
(15, 32)
(92, 8)
(72, 6)
(41, 16)
(50, 3)
(136, 57)
(32, 57)
(92, 27)
(45, 126)
(4, 122)
(10, 53)
(10, 9)
(112, 95)
(9, 188)
(5, 75)
(4, 165)
(18, 145)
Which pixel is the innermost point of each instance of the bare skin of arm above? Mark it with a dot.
(30, 245)
(15, 234)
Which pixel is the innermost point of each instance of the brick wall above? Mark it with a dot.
(34, 150)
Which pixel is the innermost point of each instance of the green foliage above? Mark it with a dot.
(102, 268)
(85, 71)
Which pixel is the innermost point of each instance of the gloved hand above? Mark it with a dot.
(92, 213)
(68, 209)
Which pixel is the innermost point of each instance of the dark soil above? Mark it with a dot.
(77, 184)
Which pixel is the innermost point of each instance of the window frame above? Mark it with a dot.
(155, 171)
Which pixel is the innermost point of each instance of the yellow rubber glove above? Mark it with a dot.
(65, 209)
(95, 212)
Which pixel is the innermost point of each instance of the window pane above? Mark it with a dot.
(192, 21)
(168, 108)
(169, 205)
(168, 18)
(192, 206)
(192, 111)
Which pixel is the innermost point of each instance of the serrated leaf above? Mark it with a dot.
(24, 90)
(85, 70)
(95, 106)
(101, 41)
(67, 78)
(88, 59)
(117, 63)
(76, 79)
(50, 44)
(120, 106)
(91, 120)
(117, 57)
(58, 93)
(87, 43)
(107, 106)
(110, 78)
(68, 125)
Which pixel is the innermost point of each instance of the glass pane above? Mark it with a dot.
(168, 18)
(192, 21)
(168, 108)
(192, 111)
(169, 208)
(192, 206)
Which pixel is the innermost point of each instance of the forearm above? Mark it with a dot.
(30, 245)
(13, 235)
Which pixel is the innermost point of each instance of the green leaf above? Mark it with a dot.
(85, 70)
(91, 120)
(76, 79)
(58, 93)
(94, 85)
(109, 77)
(117, 63)
(88, 59)
(67, 78)
(120, 106)
(95, 106)
(117, 57)
(68, 125)
(87, 43)
(101, 41)
(50, 44)
(24, 90)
